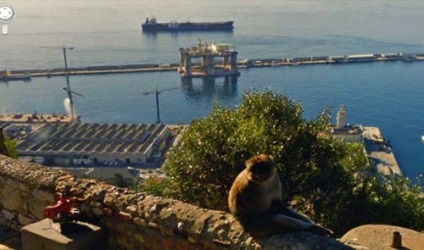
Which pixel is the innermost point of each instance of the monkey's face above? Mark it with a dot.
(261, 171)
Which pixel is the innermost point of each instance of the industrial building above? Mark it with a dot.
(84, 144)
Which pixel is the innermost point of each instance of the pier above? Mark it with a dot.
(380, 152)
(228, 66)
(36, 118)
(377, 148)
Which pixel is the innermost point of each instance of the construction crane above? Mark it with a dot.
(71, 102)
(68, 86)
(157, 92)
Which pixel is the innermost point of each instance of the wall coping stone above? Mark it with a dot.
(138, 220)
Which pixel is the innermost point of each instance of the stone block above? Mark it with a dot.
(46, 235)
(43, 195)
(11, 198)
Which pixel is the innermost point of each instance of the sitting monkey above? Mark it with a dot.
(255, 199)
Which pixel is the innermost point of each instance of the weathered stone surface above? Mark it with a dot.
(11, 198)
(23, 188)
(43, 196)
(46, 235)
(381, 237)
(36, 208)
(140, 221)
(12, 183)
(7, 214)
(31, 174)
(23, 220)
(303, 240)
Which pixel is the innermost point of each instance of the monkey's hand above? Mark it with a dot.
(318, 229)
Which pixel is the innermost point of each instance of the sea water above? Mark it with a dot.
(388, 95)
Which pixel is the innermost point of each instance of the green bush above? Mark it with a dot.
(331, 177)
(11, 146)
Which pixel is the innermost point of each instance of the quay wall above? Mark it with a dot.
(259, 62)
(132, 220)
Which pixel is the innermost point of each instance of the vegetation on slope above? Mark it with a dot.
(11, 147)
(330, 179)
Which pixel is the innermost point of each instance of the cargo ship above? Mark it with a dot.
(151, 25)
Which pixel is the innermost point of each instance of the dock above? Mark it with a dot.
(378, 149)
(35, 118)
(380, 152)
(229, 67)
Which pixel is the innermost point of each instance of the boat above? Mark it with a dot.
(6, 76)
(151, 25)
(15, 78)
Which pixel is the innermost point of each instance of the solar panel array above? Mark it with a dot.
(86, 138)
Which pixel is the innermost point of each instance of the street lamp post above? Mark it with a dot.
(64, 56)
(157, 106)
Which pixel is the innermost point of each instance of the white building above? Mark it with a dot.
(97, 144)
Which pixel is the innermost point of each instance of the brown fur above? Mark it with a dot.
(255, 199)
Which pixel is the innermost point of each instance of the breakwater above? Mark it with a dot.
(246, 63)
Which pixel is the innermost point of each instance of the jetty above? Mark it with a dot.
(229, 65)
(379, 151)
(36, 118)
(377, 148)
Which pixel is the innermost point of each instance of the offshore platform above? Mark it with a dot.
(217, 59)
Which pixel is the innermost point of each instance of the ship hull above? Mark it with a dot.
(187, 26)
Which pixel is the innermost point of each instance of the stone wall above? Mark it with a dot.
(133, 220)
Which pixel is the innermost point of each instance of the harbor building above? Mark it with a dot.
(217, 59)
(377, 148)
(84, 144)
(346, 131)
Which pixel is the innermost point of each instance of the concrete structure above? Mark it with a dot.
(344, 131)
(208, 65)
(259, 62)
(348, 133)
(84, 144)
(45, 235)
(380, 152)
(35, 118)
(341, 117)
(383, 237)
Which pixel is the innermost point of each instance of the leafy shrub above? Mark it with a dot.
(11, 146)
(331, 177)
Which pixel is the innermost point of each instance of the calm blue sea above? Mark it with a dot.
(388, 95)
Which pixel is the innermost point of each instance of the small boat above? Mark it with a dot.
(422, 138)
(151, 25)
(24, 78)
